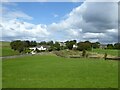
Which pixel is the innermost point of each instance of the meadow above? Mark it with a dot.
(50, 71)
(108, 51)
(5, 49)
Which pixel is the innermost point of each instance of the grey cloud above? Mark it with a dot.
(90, 17)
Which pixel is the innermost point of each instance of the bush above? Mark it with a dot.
(83, 53)
(84, 46)
(105, 56)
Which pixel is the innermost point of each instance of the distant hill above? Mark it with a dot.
(5, 49)
(4, 43)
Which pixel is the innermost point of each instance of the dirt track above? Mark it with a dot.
(15, 56)
(23, 55)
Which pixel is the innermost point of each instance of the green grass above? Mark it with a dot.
(5, 49)
(55, 72)
(108, 51)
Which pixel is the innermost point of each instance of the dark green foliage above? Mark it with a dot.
(27, 50)
(33, 43)
(50, 43)
(95, 45)
(27, 43)
(43, 43)
(69, 44)
(84, 46)
(110, 46)
(62, 48)
(22, 45)
(117, 45)
(51, 48)
(18, 45)
(57, 46)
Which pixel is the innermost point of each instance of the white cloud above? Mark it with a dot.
(14, 26)
(97, 21)
(16, 14)
(93, 35)
(90, 21)
(23, 30)
(8, 13)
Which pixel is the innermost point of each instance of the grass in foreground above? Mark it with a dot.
(55, 72)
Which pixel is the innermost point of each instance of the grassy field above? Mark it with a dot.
(51, 71)
(5, 49)
(108, 51)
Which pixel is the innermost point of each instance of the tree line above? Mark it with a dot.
(23, 46)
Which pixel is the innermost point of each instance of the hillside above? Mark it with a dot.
(5, 49)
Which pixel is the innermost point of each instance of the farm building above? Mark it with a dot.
(40, 48)
(75, 46)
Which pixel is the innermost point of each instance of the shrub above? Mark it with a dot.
(105, 56)
(83, 53)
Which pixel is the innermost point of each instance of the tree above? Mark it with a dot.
(50, 43)
(15, 44)
(69, 44)
(33, 43)
(21, 45)
(110, 46)
(117, 45)
(84, 46)
(51, 48)
(57, 46)
(43, 43)
(95, 45)
(27, 43)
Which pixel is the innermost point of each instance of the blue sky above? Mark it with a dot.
(45, 12)
(60, 21)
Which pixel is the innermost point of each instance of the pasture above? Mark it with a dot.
(108, 51)
(50, 71)
(5, 49)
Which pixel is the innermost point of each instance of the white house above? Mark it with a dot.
(40, 48)
(75, 46)
(32, 48)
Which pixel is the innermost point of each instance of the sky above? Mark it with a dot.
(59, 21)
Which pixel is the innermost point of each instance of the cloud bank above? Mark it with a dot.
(94, 21)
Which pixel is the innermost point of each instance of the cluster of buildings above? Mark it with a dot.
(40, 48)
(45, 47)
